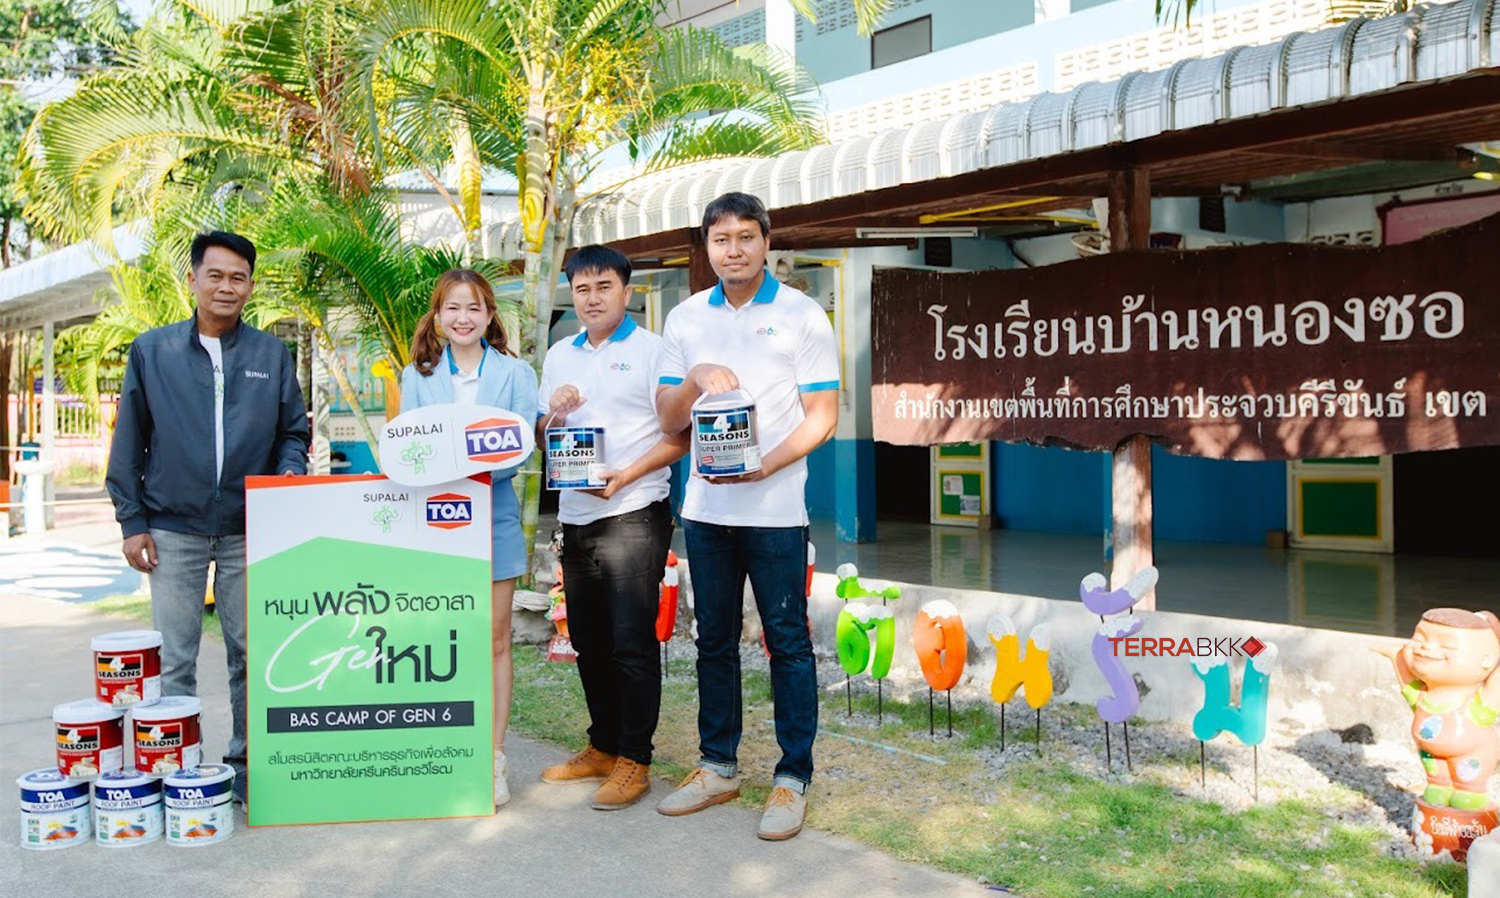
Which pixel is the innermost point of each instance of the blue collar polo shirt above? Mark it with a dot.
(780, 345)
(617, 379)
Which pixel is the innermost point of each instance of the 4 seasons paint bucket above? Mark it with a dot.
(127, 667)
(200, 805)
(167, 737)
(55, 810)
(90, 739)
(725, 439)
(127, 809)
(575, 458)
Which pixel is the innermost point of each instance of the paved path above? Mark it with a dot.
(547, 842)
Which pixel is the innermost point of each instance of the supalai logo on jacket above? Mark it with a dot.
(260, 375)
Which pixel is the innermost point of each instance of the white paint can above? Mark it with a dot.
(200, 805)
(166, 735)
(575, 458)
(127, 667)
(725, 439)
(90, 739)
(127, 809)
(54, 810)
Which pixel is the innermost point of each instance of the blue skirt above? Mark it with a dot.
(508, 555)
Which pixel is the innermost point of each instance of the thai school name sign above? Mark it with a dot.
(368, 649)
(1253, 352)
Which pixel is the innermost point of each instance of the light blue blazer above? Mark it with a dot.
(507, 383)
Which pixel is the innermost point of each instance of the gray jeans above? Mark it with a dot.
(178, 586)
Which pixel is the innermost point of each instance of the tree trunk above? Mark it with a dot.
(5, 243)
(5, 356)
(346, 388)
(470, 188)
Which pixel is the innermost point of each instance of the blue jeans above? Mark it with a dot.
(775, 559)
(177, 588)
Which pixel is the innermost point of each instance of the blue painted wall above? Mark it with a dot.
(833, 48)
(1050, 490)
(1194, 499)
(1216, 501)
(821, 481)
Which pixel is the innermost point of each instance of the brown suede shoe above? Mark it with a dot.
(626, 784)
(588, 766)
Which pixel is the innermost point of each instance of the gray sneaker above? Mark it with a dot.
(702, 789)
(782, 818)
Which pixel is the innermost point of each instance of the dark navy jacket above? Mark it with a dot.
(162, 460)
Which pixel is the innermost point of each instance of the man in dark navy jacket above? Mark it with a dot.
(206, 402)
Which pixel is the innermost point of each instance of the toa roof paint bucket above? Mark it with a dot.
(166, 736)
(725, 439)
(90, 739)
(55, 810)
(200, 805)
(127, 809)
(127, 667)
(575, 458)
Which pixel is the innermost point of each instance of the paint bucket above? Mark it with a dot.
(54, 810)
(200, 805)
(725, 439)
(127, 810)
(90, 739)
(575, 458)
(166, 735)
(127, 667)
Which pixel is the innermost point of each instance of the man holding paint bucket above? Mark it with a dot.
(750, 337)
(205, 403)
(599, 388)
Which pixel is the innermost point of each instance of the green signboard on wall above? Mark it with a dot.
(368, 649)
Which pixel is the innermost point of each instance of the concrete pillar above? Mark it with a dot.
(854, 444)
(781, 27)
(1130, 229)
(49, 420)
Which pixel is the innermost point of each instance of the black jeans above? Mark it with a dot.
(612, 572)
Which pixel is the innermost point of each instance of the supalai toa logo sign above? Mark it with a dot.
(449, 511)
(493, 440)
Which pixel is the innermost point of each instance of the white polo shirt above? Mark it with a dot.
(780, 345)
(618, 378)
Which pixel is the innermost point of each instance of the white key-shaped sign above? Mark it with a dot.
(442, 443)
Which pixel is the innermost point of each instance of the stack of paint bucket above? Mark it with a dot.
(167, 790)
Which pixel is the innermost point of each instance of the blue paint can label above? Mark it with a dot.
(55, 810)
(128, 810)
(575, 458)
(725, 441)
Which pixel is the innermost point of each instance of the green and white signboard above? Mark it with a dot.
(368, 649)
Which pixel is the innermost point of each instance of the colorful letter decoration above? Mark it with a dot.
(942, 649)
(1218, 715)
(1125, 699)
(1013, 670)
(855, 623)
(858, 620)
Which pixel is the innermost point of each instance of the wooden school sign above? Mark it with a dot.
(1253, 352)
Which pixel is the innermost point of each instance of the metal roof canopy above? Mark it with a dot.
(64, 284)
(1404, 91)
(1428, 121)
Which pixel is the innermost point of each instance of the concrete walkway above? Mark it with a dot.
(547, 842)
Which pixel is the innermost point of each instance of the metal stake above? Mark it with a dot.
(849, 695)
(1128, 766)
(1109, 760)
(931, 730)
(1002, 727)
(1039, 732)
(949, 694)
(1202, 764)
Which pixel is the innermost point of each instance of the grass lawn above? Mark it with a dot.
(1042, 830)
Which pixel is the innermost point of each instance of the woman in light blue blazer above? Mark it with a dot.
(460, 354)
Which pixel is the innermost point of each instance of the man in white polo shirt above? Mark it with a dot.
(775, 344)
(615, 539)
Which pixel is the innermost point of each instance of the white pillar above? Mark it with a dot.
(781, 26)
(49, 420)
